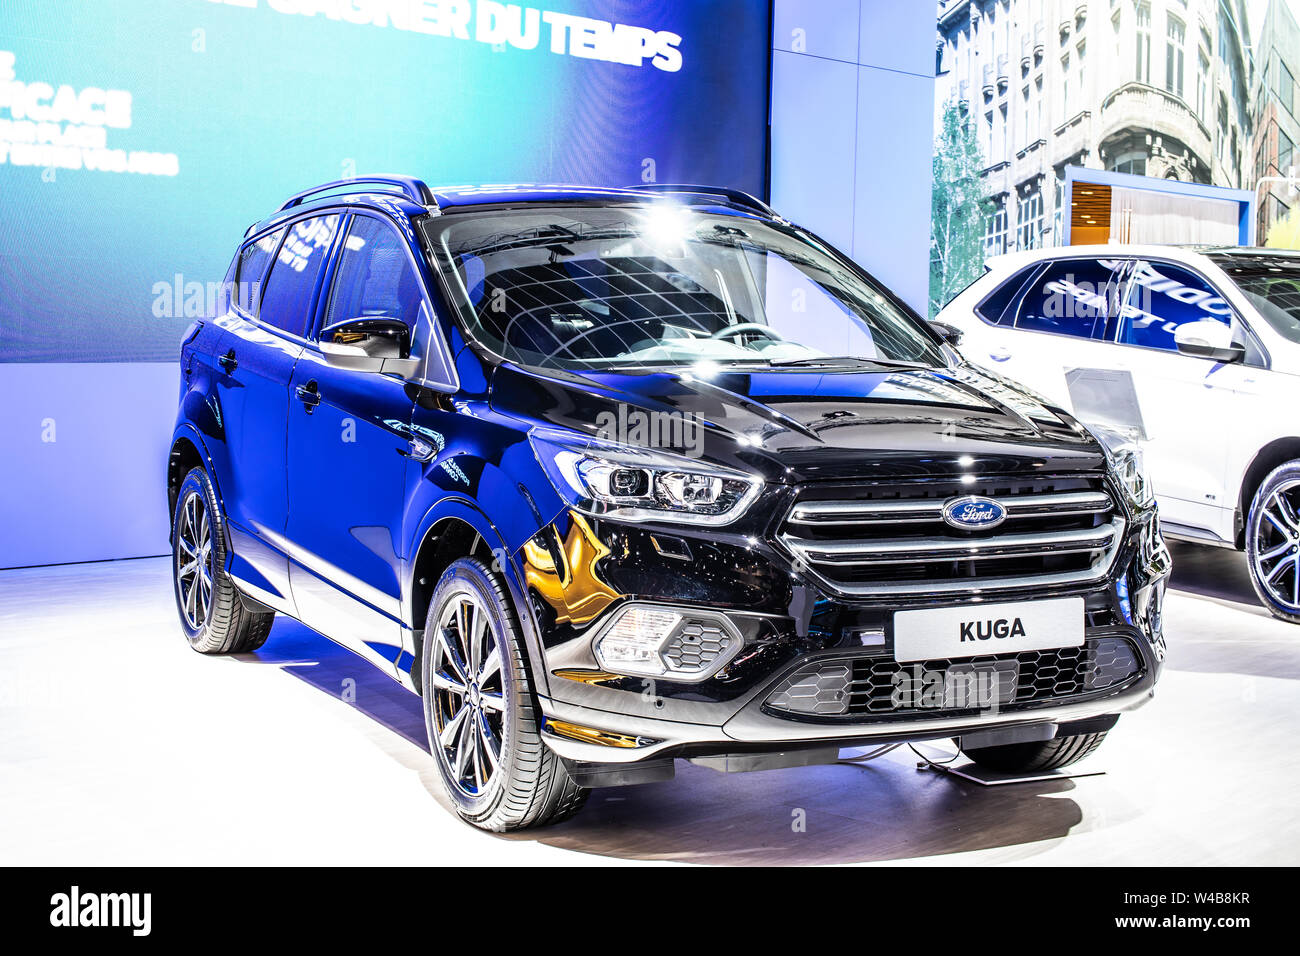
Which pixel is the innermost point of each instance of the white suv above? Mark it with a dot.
(1194, 353)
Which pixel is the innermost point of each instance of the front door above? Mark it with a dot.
(1188, 404)
(348, 441)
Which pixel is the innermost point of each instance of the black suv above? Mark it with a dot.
(616, 477)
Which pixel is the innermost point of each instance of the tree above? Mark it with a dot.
(958, 212)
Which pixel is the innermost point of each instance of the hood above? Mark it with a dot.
(810, 425)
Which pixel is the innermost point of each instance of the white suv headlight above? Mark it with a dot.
(1125, 456)
(640, 484)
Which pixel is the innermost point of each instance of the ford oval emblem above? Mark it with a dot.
(973, 513)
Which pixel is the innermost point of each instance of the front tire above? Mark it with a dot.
(213, 615)
(480, 711)
(1038, 756)
(1273, 542)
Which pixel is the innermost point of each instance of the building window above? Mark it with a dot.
(1202, 87)
(1283, 85)
(1285, 149)
(1279, 210)
(1134, 163)
(1142, 72)
(1024, 117)
(995, 235)
(1029, 221)
(1175, 38)
(1080, 63)
(1065, 87)
(1222, 150)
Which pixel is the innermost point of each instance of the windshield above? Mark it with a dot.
(662, 285)
(1272, 283)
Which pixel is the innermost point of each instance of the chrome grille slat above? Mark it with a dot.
(1018, 506)
(956, 549)
(889, 539)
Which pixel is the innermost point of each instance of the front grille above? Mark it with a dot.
(867, 688)
(891, 539)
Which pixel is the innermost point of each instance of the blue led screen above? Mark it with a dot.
(139, 139)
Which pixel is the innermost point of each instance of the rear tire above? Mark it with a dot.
(1038, 756)
(213, 615)
(480, 711)
(1273, 542)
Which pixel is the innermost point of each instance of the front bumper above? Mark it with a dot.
(755, 727)
(594, 717)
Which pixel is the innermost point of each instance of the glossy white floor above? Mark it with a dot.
(118, 745)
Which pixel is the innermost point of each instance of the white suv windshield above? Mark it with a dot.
(1272, 283)
(661, 285)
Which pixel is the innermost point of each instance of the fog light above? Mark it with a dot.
(683, 644)
(634, 640)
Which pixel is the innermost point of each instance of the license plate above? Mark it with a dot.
(974, 630)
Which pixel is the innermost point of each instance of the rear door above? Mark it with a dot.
(262, 345)
(348, 444)
(1050, 321)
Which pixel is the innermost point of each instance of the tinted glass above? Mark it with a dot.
(1272, 283)
(287, 301)
(252, 269)
(1069, 297)
(997, 308)
(375, 278)
(664, 285)
(1162, 297)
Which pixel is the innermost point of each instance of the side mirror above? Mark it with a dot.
(1208, 339)
(949, 333)
(369, 345)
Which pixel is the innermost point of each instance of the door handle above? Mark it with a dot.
(228, 362)
(309, 395)
(1000, 353)
(419, 450)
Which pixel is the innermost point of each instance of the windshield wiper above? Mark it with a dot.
(843, 360)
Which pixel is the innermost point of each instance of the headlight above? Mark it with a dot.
(639, 484)
(1125, 457)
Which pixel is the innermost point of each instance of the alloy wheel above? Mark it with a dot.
(468, 693)
(194, 561)
(1277, 546)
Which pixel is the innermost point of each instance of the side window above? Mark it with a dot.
(287, 301)
(995, 309)
(252, 269)
(1162, 297)
(1070, 297)
(375, 277)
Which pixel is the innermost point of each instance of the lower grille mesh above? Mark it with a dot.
(861, 688)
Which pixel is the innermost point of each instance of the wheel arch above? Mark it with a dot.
(458, 528)
(1275, 453)
(187, 452)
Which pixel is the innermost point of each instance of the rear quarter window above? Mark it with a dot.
(996, 308)
(252, 270)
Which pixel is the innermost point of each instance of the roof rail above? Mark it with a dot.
(412, 188)
(735, 197)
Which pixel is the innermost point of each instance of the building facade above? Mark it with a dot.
(1276, 143)
(1152, 87)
